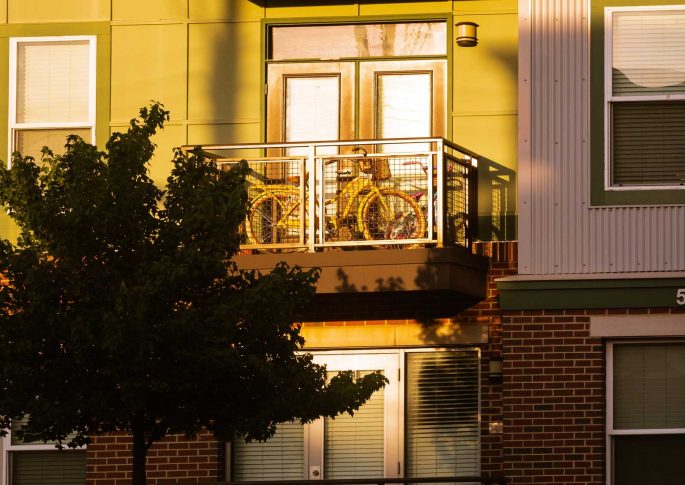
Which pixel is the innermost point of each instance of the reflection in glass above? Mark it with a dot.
(404, 109)
(31, 142)
(312, 106)
(359, 40)
(648, 53)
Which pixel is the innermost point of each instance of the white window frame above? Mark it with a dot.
(610, 431)
(609, 97)
(6, 447)
(12, 105)
(395, 397)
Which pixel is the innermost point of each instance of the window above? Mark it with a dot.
(646, 412)
(357, 81)
(424, 423)
(52, 92)
(644, 83)
(38, 463)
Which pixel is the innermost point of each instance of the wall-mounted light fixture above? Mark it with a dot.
(467, 34)
(495, 367)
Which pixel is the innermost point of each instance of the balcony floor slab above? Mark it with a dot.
(386, 283)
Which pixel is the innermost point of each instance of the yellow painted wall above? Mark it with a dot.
(203, 60)
(484, 82)
(48, 11)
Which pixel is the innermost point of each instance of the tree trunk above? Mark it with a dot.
(139, 451)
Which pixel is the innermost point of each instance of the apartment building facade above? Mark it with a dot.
(281, 83)
(592, 322)
(556, 359)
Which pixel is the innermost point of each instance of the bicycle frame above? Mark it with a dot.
(352, 191)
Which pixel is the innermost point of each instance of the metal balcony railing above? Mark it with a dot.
(362, 193)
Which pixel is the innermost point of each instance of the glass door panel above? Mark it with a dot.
(402, 99)
(366, 445)
(310, 102)
(354, 445)
(312, 111)
(404, 109)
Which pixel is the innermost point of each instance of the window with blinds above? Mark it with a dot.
(354, 446)
(647, 432)
(646, 97)
(52, 92)
(424, 423)
(649, 386)
(280, 458)
(65, 467)
(41, 463)
(441, 423)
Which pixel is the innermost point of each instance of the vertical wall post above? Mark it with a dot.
(311, 164)
(440, 216)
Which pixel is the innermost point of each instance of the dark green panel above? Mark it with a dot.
(578, 294)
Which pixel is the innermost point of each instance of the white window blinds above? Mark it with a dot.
(649, 386)
(442, 436)
(354, 445)
(52, 82)
(647, 59)
(52, 92)
(312, 111)
(424, 423)
(280, 458)
(48, 467)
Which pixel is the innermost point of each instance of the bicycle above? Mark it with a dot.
(368, 212)
(455, 222)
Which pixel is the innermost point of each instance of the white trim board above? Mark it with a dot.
(637, 326)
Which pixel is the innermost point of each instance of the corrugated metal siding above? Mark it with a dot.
(561, 233)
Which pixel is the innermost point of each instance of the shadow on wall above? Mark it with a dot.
(389, 284)
(440, 329)
(225, 78)
(430, 297)
(496, 201)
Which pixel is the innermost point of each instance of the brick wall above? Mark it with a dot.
(554, 396)
(503, 263)
(174, 459)
(177, 459)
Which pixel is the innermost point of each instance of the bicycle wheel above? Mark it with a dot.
(274, 218)
(393, 215)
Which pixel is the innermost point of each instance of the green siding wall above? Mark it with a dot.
(204, 60)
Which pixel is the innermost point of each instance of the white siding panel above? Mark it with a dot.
(563, 234)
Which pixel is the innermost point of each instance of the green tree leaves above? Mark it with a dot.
(123, 310)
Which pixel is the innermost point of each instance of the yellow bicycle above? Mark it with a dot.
(365, 211)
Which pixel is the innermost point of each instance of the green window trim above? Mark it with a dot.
(599, 195)
(605, 292)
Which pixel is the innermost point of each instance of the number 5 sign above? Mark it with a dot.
(680, 296)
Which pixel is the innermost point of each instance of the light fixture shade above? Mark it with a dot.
(467, 34)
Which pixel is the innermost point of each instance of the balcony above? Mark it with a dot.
(378, 217)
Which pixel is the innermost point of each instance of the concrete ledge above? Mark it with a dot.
(637, 326)
(410, 335)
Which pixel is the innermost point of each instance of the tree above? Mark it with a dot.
(123, 311)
